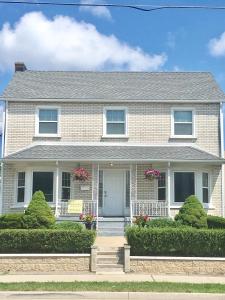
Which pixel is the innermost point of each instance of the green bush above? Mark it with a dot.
(164, 222)
(8, 221)
(38, 214)
(69, 225)
(215, 222)
(176, 241)
(46, 241)
(192, 213)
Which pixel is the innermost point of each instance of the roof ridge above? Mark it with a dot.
(118, 72)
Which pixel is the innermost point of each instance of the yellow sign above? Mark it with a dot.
(75, 206)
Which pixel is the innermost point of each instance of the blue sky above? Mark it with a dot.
(115, 39)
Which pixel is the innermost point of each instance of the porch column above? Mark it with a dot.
(95, 184)
(57, 190)
(97, 197)
(168, 187)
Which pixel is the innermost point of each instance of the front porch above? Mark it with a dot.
(115, 191)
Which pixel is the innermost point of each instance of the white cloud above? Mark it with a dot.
(171, 40)
(217, 46)
(100, 11)
(63, 43)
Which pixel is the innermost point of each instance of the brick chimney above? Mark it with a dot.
(20, 67)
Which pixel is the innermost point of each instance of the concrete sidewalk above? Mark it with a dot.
(108, 277)
(107, 296)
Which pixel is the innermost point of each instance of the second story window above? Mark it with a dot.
(115, 122)
(47, 122)
(183, 123)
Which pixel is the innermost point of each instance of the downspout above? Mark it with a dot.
(5, 108)
(222, 156)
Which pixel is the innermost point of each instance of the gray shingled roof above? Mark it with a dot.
(154, 86)
(110, 153)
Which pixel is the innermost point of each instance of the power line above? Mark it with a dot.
(141, 7)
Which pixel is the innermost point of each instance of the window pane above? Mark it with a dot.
(46, 127)
(162, 194)
(48, 114)
(115, 128)
(127, 188)
(205, 195)
(65, 194)
(20, 195)
(115, 115)
(43, 181)
(205, 180)
(21, 179)
(100, 189)
(184, 185)
(162, 180)
(183, 116)
(66, 179)
(182, 129)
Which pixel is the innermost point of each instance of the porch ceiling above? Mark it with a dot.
(113, 153)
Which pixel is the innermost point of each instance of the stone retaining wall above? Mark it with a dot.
(178, 265)
(44, 263)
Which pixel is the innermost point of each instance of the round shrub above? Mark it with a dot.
(11, 221)
(192, 213)
(215, 222)
(39, 213)
(69, 225)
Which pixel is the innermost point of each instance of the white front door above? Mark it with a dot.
(113, 193)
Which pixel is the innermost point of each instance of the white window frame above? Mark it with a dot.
(198, 186)
(206, 187)
(162, 187)
(105, 135)
(173, 135)
(17, 188)
(62, 186)
(37, 121)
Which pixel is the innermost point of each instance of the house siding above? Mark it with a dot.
(148, 123)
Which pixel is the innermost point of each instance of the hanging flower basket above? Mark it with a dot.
(80, 174)
(151, 174)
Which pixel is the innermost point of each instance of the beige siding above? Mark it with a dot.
(83, 122)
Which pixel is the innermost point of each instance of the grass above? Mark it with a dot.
(115, 287)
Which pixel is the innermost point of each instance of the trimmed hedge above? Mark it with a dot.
(11, 221)
(176, 241)
(164, 222)
(215, 222)
(46, 241)
(69, 225)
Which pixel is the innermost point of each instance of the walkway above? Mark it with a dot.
(111, 278)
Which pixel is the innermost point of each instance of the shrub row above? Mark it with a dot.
(216, 222)
(176, 241)
(46, 241)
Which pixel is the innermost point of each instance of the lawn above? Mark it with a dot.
(115, 287)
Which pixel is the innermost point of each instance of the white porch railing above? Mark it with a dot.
(89, 207)
(152, 208)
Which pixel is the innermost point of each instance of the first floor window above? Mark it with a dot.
(48, 121)
(184, 185)
(66, 180)
(100, 189)
(205, 187)
(43, 181)
(20, 186)
(162, 187)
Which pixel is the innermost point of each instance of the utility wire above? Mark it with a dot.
(141, 7)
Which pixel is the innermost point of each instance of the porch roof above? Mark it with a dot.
(62, 152)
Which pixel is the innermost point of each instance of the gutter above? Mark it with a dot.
(222, 156)
(218, 161)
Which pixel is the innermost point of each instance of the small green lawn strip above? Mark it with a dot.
(115, 287)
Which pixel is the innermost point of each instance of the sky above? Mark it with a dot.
(69, 38)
